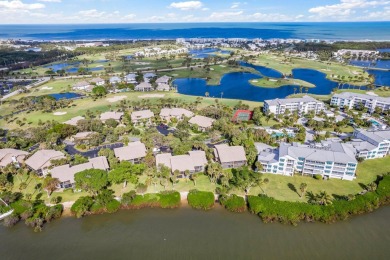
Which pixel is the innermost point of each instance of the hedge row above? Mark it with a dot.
(233, 203)
(165, 199)
(271, 210)
(201, 199)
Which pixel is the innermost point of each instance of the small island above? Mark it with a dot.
(277, 83)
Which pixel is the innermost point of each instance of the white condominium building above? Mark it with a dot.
(333, 160)
(371, 144)
(352, 100)
(303, 105)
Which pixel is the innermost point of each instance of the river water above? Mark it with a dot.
(189, 234)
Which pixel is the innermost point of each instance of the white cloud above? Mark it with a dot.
(185, 6)
(93, 13)
(50, 1)
(345, 8)
(235, 5)
(225, 15)
(19, 5)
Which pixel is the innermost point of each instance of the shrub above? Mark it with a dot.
(233, 203)
(11, 221)
(128, 197)
(82, 206)
(113, 206)
(200, 199)
(317, 176)
(169, 199)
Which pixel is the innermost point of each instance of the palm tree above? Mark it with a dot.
(372, 186)
(323, 198)
(194, 177)
(303, 188)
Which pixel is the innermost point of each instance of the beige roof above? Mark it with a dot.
(163, 87)
(134, 150)
(227, 153)
(7, 154)
(96, 80)
(143, 85)
(143, 114)
(163, 79)
(164, 159)
(166, 112)
(111, 115)
(182, 162)
(74, 120)
(66, 172)
(83, 135)
(81, 84)
(42, 158)
(202, 121)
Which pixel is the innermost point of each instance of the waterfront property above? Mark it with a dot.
(329, 159)
(143, 116)
(65, 173)
(302, 105)
(144, 87)
(40, 162)
(178, 113)
(194, 162)
(203, 123)
(163, 83)
(371, 144)
(353, 100)
(98, 81)
(133, 153)
(82, 85)
(9, 155)
(117, 116)
(230, 156)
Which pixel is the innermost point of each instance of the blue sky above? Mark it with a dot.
(166, 11)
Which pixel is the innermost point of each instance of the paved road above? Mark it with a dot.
(91, 153)
(41, 81)
(164, 130)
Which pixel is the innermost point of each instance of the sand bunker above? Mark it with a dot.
(273, 80)
(371, 93)
(46, 88)
(60, 113)
(116, 99)
(152, 96)
(255, 81)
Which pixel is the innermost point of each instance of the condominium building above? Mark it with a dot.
(352, 100)
(302, 105)
(230, 156)
(194, 162)
(332, 160)
(371, 144)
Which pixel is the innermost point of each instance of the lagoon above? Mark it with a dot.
(185, 233)
(67, 95)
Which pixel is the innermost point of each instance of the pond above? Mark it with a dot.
(379, 64)
(206, 52)
(192, 234)
(73, 67)
(67, 95)
(236, 85)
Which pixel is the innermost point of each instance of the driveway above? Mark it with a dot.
(91, 153)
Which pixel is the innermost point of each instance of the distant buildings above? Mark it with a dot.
(65, 173)
(98, 81)
(134, 152)
(333, 160)
(230, 156)
(371, 144)
(353, 100)
(83, 85)
(194, 162)
(115, 80)
(144, 87)
(40, 161)
(302, 105)
(357, 53)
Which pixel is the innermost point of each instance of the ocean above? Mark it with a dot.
(376, 31)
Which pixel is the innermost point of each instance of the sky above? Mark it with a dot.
(168, 11)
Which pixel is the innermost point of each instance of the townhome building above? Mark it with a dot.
(302, 105)
(40, 162)
(329, 159)
(192, 163)
(178, 113)
(354, 100)
(65, 173)
(371, 144)
(143, 116)
(134, 152)
(9, 155)
(230, 156)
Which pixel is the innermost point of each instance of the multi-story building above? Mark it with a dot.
(353, 100)
(332, 160)
(230, 156)
(194, 162)
(371, 144)
(302, 105)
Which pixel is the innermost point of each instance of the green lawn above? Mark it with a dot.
(333, 70)
(277, 83)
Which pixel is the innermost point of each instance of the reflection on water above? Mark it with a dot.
(188, 234)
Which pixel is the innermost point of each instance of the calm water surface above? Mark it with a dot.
(188, 234)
